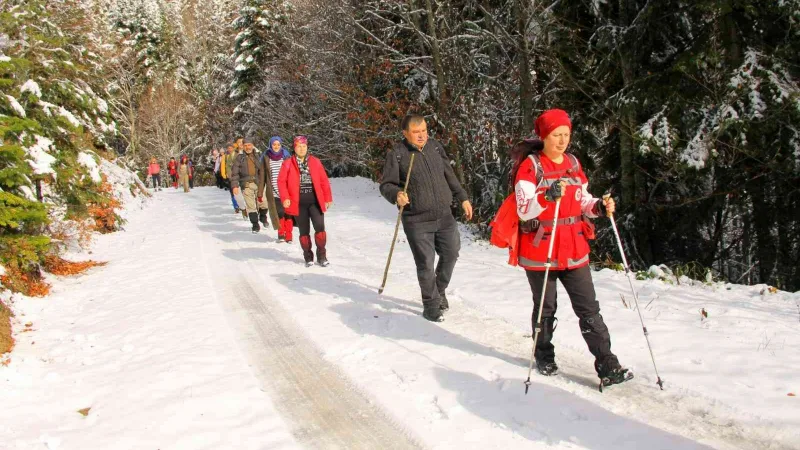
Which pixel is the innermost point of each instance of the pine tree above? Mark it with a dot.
(259, 42)
(52, 123)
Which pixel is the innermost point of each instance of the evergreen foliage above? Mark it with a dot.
(261, 28)
(51, 121)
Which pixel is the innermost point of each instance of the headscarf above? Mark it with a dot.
(300, 140)
(280, 154)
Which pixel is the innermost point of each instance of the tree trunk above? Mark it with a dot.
(633, 181)
(525, 83)
(762, 227)
(443, 94)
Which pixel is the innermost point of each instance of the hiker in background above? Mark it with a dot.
(244, 178)
(183, 173)
(271, 163)
(227, 164)
(215, 156)
(172, 169)
(155, 174)
(191, 174)
(306, 194)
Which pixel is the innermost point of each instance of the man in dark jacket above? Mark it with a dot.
(428, 222)
(244, 177)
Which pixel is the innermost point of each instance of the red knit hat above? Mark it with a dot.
(549, 121)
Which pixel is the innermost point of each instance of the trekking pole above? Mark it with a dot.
(544, 289)
(396, 228)
(635, 295)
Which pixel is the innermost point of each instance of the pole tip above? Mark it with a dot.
(527, 385)
(380, 291)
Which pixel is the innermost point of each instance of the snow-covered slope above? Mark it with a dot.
(171, 345)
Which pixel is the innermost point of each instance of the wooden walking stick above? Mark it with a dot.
(396, 227)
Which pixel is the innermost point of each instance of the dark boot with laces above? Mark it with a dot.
(611, 372)
(443, 304)
(431, 311)
(546, 368)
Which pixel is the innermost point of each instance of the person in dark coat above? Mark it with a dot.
(427, 219)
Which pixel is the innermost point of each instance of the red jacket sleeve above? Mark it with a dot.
(326, 183)
(283, 182)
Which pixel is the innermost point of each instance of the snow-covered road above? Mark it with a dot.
(199, 334)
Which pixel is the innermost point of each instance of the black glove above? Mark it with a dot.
(554, 192)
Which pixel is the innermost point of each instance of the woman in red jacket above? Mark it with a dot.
(307, 190)
(543, 173)
(172, 169)
(154, 170)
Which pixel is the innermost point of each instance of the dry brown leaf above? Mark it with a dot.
(85, 411)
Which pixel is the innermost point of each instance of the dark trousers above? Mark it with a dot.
(578, 284)
(156, 178)
(191, 182)
(218, 178)
(309, 213)
(428, 239)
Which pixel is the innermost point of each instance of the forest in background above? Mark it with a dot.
(687, 111)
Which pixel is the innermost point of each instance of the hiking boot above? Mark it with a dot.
(431, 311)
(611, 372)
(254, 221)
(321, 239)
(308, 255)
(615, 376)
(546, 368)
(262, 217)
(443, 304)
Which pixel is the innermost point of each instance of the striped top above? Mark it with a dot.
(275, 169)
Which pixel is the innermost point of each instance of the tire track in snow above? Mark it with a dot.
(322, 408)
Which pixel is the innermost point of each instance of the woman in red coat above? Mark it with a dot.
(306, 195)
(543, 173)
(172, 169)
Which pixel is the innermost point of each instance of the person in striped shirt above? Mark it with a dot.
(271, 162)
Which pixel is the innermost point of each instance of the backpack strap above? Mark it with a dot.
(575, 166)
(537, 163)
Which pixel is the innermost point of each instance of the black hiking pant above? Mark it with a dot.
(156, 180)
(309, 214)
(580, 288)
(428, 239)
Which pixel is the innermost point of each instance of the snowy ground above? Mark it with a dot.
(199, 334)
